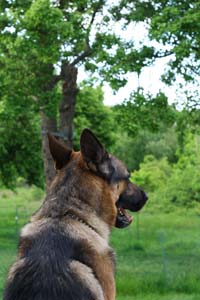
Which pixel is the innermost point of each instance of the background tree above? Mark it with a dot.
(92, 113)
(20, 146)
(44, 42)
(144, 111)
(20, 139)
(143, 130)
(175, 25)
(172, 185)
(39, 62)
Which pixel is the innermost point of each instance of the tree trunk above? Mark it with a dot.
(67, 110)
(48, 125)
(67, 106)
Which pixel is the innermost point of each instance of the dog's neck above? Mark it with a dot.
(74, 217)
(51, 209)
(91, 222)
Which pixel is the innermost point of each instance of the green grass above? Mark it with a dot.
(15, 211)
(158, 256)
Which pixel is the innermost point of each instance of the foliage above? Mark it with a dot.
(184, 185)
(144, 125)
(153, 173)
(129, 149)
(92, 113)
(132, 149)
(144, 111)
(35, 47)
(173, 185)
(175, 26)
(20, 153)
(39, 38)
(164, 144)
(20, 135)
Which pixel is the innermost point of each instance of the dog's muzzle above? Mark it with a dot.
(133, 199)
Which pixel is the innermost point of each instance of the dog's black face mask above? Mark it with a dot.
(133, 198)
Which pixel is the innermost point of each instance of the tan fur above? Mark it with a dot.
(98, 250)
(14, 268)
(87, 276)
(80, 231)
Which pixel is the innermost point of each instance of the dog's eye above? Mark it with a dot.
(118, 186)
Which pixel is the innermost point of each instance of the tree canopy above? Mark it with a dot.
(175, 26)
(43, 43)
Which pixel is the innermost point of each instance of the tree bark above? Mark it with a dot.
(67, 106)
(48, 125)
(67, 111)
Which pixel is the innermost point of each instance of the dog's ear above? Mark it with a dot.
(94, 154)
(60, 153)
(91, 149)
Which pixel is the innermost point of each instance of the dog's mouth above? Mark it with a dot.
(133, 199)
(123, 219)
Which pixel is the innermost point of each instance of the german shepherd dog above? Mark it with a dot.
(63, 253)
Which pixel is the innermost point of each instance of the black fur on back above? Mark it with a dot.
(45, 273)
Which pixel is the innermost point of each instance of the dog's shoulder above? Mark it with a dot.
(53, 260)
(66, 234)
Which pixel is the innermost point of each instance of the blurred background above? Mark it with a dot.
(128, 70)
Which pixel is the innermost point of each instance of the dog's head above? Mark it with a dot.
(113, 177)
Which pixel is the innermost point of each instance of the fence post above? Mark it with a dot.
(138, 227)
(16, 219)
(164, 260)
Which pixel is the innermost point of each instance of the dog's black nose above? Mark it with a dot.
(144, 195)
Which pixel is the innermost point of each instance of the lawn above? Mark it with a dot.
(158, 256)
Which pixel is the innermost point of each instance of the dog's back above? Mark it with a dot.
(53, 262)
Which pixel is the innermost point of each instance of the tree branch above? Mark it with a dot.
(88, 49)
(165, 54)
(50, 85)
(81, 57)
